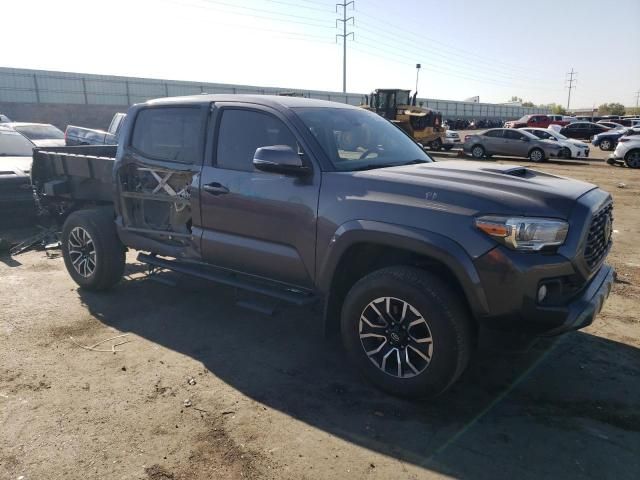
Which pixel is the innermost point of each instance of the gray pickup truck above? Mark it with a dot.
(74, 135)
(308, 201)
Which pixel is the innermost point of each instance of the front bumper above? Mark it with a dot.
(582, 311)
(511, 281)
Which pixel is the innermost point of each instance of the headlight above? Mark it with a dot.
(524, 233)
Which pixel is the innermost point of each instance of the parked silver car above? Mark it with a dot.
(510, 142)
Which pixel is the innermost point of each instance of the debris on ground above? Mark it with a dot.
(191, 381)
(622, 185)
(113, 347)
(187, 403)
(46, 237)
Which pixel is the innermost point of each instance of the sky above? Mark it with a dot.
(494, 49)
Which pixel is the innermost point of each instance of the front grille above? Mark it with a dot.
(599, 237)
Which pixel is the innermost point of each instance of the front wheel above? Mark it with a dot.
(436, 144)
(632, 159)
(536, 155)
(408, 332)
(92, 251)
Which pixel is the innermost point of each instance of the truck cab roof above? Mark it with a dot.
(274, 101)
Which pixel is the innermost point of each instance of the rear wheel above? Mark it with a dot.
(92, 251)
(606, 145)
(632, 159)
(536, 155)
(477, 151)
(408, 332)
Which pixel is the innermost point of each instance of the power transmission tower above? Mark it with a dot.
(344, 36)
(572, 83)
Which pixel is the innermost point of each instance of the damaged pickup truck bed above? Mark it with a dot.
(308, 201)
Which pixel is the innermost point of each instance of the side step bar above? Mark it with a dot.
(225, 277)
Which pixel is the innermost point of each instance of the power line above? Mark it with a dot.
(571, 84)
(447, 61)
(433, 67)
(462, 52)
(344, 36)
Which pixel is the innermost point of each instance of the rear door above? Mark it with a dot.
(257, 222)
(493, 142)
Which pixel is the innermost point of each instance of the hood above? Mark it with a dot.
(473, 188)
(15, 165)
(49, 142)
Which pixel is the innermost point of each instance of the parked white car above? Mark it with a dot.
(571, 148)
(452, 139)
(627, 152)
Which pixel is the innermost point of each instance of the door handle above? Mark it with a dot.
(215, 188)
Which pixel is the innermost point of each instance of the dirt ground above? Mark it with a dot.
(205, 389)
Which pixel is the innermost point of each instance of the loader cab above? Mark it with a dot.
(385, 102)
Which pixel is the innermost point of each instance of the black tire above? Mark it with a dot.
(566, 153)
(632, 158)
(108, 257)
(448, 324)
(477, 152)
(537, 155)
(606, 145)
(447, 147)
(436, 144)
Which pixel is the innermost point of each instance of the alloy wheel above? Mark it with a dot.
(82, 252)
(395, 337)
(633, 159)
(536, 156)
(605, 145)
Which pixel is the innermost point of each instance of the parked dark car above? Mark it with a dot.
(40, 134)
(583, 130)
(510, 142)
(17, 205)
(609, 140)
(314, 202)
(74, 135)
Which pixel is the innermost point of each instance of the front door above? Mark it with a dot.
(256, 222)
(515, 143)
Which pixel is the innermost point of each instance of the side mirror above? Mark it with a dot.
(279, 159)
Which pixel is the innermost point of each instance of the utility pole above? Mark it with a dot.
(637, 98)
(571, 81)
(418, 66)
(344, 36)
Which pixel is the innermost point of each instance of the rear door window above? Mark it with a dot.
(493, 134)
(169, 133)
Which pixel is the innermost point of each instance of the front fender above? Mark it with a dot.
(418, 241)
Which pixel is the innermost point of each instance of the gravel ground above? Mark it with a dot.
(205, 389)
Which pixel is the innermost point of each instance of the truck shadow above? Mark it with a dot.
(561, 409)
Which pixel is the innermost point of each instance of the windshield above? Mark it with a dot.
(40, 132)
(355, 139)
(12, 144)
(402, 98)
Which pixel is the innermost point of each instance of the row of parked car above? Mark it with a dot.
(540, 144)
